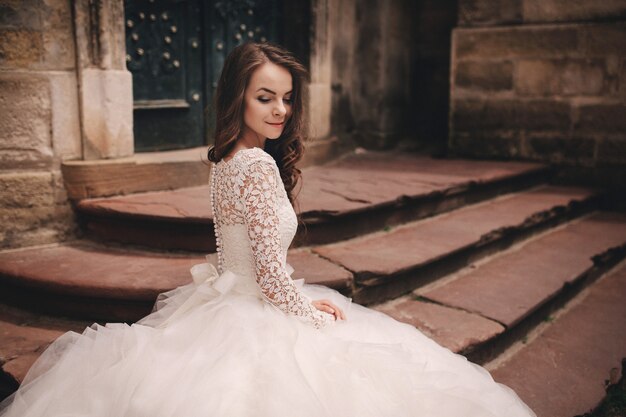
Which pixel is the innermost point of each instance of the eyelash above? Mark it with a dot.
(267, 100)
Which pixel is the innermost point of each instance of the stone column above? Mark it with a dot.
(105, 86)
(319, 90)
(371, 75)
(39, 122)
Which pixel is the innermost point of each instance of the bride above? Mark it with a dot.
(245, 339)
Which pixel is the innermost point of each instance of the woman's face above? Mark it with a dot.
(267, 101)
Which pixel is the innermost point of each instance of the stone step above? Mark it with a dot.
(391, 263)
(577, 350)
(483, 309)
(23, 337)
(561, 371)
(357, 194)
(90, 281)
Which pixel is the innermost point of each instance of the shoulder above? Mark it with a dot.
(257, 165)
(256, 157)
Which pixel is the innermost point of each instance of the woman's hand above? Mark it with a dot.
(328, 307)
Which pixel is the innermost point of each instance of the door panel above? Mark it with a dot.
(175, 51)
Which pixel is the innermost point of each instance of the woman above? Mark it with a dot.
(245, 339)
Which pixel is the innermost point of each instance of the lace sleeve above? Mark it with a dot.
(258, 188)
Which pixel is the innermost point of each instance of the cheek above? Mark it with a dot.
(253, 111)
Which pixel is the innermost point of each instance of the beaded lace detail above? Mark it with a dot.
(254, 225)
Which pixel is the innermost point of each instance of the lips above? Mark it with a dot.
(276, 124)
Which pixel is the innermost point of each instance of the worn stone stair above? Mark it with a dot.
(482, 309)
(87, 280)
(358, 194)
(546, 317)
(91, 281)
(393, 262)
(23, 337)
(474, 254)
(562, 368)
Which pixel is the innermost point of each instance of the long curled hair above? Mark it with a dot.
(239, 66)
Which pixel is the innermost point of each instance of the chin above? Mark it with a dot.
(274, 136)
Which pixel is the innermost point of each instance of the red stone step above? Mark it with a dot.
(562, 372)
(458, 330)
(483, 309)
(90, 281)
(23, 337)
(388, 264)
(510, 287)
(360, 193)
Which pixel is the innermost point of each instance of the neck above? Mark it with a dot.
(251, 139)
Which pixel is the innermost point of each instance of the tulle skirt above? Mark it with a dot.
(211, 351)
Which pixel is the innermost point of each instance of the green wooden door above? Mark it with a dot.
(175, 51)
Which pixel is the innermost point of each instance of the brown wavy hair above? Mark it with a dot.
(239, 66)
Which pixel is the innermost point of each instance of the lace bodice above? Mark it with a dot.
(255, 224)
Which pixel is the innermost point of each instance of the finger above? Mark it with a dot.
(337, 311)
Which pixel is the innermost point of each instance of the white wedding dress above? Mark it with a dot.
(245, 340)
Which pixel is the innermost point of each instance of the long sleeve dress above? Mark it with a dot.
(243, 339)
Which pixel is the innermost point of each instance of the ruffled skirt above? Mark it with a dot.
(210, 350)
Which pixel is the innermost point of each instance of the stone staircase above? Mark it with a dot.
(476, 254)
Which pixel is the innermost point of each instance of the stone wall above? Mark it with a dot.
(542, 80)
(390, 66)
(39, 124)
(369, 107)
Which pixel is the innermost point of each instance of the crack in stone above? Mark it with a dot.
(352, 200)
(178, 210)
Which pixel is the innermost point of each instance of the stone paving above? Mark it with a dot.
(25, 335)
(384, 254)
(465, 312)
(563, 371)
(485, 300)
(510, 287)
(355, 182)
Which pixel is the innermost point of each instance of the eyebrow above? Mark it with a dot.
(270, 91)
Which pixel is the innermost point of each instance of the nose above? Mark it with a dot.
(279, 110)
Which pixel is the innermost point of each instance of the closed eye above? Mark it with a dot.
(267, 100)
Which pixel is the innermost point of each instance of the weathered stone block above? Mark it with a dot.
(499, 144)
(560, 77)
(58, 36)
(572, 10)
(103, 23)
(484, 75)
(33, 209)
(550, 41)
(107, 105)
(25, 120)
(558, 147)
(621, 83)
(319, 105)
(609, 117)
(20, 14)
(20, 48)
(66, 140)
(489, 12)
(11, 159)
(612, 150)
(36, 35)
(35, 226)
(603, 40)
(34, 189)
(469, 115)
